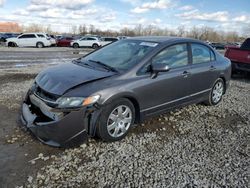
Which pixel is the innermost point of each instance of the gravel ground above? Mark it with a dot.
(196, 146)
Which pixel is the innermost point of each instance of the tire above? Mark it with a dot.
(75, 45)
(216, 93)
(113, 125)
(95, 46)
(39, 45)
(12, 44)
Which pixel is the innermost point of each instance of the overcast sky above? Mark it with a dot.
(227, 15)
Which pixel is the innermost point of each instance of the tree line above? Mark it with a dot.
(202, 33)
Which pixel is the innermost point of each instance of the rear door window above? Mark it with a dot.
(201, 54)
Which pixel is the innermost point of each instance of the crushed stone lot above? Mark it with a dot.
(196, 146)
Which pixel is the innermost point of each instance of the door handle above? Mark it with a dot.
(212, 68)
(185, 74)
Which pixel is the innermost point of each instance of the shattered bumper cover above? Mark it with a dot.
(68, 130)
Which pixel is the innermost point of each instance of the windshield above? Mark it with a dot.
(121, 55)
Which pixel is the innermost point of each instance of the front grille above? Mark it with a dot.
(47, 97)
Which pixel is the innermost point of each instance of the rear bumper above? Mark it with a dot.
(69, 130)
(241, 66)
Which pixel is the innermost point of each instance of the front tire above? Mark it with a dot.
(216, 93)
(75, 45)
(115, 120)
(12, 44)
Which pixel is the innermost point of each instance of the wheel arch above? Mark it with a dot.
(132, 98)
(224, 81)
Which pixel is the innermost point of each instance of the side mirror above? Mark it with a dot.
(158, 68)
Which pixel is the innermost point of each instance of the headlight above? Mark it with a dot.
(73, 102)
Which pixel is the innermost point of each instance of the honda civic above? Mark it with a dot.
(109, 90)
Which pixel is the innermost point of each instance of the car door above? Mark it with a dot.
(170, 88)
(90, 41)
(22, 40)
(83, 42)
(31, 40)
(203, 69)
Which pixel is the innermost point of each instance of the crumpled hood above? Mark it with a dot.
(57, 80)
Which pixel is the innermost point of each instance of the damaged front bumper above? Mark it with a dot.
(58, 128)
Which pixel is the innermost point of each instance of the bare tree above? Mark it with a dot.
(181, 31)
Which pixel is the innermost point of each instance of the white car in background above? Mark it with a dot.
(38, 40)
(93, 42)
(108, 40)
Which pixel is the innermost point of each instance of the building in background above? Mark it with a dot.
(10, 27)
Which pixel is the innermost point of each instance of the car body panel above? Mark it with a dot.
(53, 79)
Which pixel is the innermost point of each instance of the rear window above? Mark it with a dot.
(246, 45)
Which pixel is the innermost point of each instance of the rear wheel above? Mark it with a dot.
(215, 95)
(39, 45)
(95, 46)
(75, 45)
(116, 120)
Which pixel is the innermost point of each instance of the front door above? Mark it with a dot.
(170, 88)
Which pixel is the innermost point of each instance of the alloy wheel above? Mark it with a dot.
(217, 92)
(119, 121)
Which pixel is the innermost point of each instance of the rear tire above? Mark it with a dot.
(216, 93)
(39, 45)
(115, 120)
(95, 46)
(75, 45)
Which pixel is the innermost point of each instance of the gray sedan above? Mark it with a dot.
(105, 92)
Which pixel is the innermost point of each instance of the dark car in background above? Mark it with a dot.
(105, 92)
(218, 46)
(64, 41)
(108, 40)
(4, 36)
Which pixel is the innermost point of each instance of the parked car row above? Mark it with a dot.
(222, 46)
(41, 40)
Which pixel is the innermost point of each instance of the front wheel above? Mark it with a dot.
(75, 45)
(215, 95)
(116, 120)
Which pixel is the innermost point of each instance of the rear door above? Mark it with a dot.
(203, 69)
(90, 41)
(31, 40)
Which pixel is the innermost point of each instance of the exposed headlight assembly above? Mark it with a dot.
(74, 102)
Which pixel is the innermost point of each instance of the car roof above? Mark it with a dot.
(163, 39)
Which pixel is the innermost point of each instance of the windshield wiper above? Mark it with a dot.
(79, 61)
(104, 65)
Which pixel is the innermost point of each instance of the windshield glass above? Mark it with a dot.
(121, 55)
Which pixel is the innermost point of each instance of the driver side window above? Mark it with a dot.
(173, 56)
